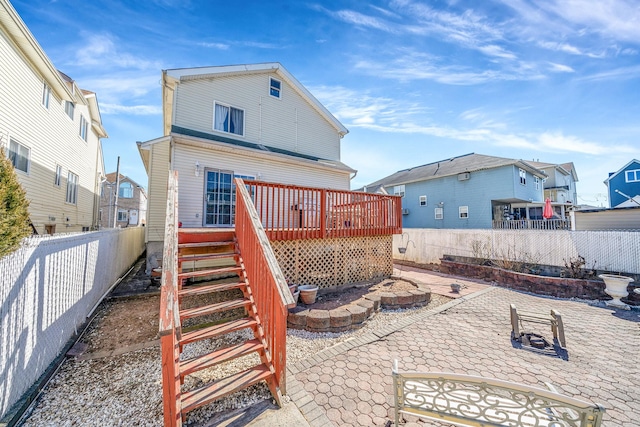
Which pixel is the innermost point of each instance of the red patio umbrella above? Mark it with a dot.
(548, 210)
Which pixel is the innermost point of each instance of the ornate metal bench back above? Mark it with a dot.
(476, 401)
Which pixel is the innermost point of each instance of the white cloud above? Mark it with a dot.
(362, 20)
(110, 88)
(135, 110)
(560, 68)
(494, 50)
(632, 72)
(560, 47)
(101, 50)
(220, 46)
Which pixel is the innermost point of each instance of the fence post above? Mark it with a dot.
(323, 213)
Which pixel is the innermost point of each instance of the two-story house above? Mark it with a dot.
(123, 202)
(51, 131)
(253, 121)
(468, 191)
(623, 186)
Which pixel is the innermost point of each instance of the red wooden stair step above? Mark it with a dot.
(204, 244)
(213, 308)
(216, 390)
(205, 361)
(209, 272)
(207, 289)
(202, 257)
(217, 330)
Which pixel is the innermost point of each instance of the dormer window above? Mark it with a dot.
(228, 119)
(275, 86)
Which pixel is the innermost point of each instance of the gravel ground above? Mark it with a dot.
(125, 390)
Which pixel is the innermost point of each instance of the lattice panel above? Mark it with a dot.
(333, 262)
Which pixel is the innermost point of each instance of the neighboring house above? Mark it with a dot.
(129, 209)
(468, 191)
(560, 184)
(51, 131)
(618, 218)
(252, 121)
(624, 184)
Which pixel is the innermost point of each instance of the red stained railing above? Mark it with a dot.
(170, 329)
(268, 285)
(292, 212)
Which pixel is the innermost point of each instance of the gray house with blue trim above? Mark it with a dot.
(624, 185)
(468, 191)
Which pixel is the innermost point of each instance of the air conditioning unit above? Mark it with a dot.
(405, 211)
(464, 176)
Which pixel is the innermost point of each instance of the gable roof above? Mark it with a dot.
(187, 74)
(612, 175)
(565, 168)
(471, 162)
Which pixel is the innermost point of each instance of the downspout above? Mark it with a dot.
(260, 123)
(296, 146)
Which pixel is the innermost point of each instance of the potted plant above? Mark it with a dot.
(308, 293)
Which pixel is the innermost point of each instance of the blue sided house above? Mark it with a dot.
(470, 191)
(624, 185)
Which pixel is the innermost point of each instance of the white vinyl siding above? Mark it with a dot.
(157, 202)
(288, 123)
(52, 139)
(191, 195)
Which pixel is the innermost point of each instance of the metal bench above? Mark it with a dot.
(466, 400)
(554, 319)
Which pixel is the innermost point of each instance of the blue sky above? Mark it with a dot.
(414, 82)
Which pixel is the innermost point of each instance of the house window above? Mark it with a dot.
(523, 177)
(632, 175)
(463, 212)
(123, 215)
(398, 190)
(69, 108)
(228, 119)
(19, 156)
(72, 188)
(438, 213)
(274, 87)
(126, 190)
(84, 127)
(423, 200)
(537, 182)
(46, 95)
(58, 177)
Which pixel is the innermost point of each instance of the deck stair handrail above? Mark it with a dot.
(291, 212)
(268, 284)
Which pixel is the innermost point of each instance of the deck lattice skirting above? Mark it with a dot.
(328, 263)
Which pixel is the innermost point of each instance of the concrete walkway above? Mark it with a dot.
(350, 384)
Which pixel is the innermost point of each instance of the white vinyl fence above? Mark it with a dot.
(48, 287)
(616, 251)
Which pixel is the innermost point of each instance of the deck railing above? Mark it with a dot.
(268, 285)
(170, 329)
(292, 212)
(533, 224)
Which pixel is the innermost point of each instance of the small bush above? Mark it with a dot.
(14, 213)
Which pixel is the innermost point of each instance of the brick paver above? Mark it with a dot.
(353, 387)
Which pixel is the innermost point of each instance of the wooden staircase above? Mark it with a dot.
(209, 255)
(196, 305)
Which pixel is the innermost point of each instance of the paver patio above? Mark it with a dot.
(350, 384)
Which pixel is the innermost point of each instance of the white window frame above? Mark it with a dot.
(463, 212)
(629, 173)
(273, 89)
(19, 151)
(229, 107)
(84, 128)
(58, 178)
(72, 188)
(537, 182)
(422, 200)
(69, 108)
(438, 213)
(523, 176)
(46, 95)
(399, 190)
(123, 215)
(128, 194)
